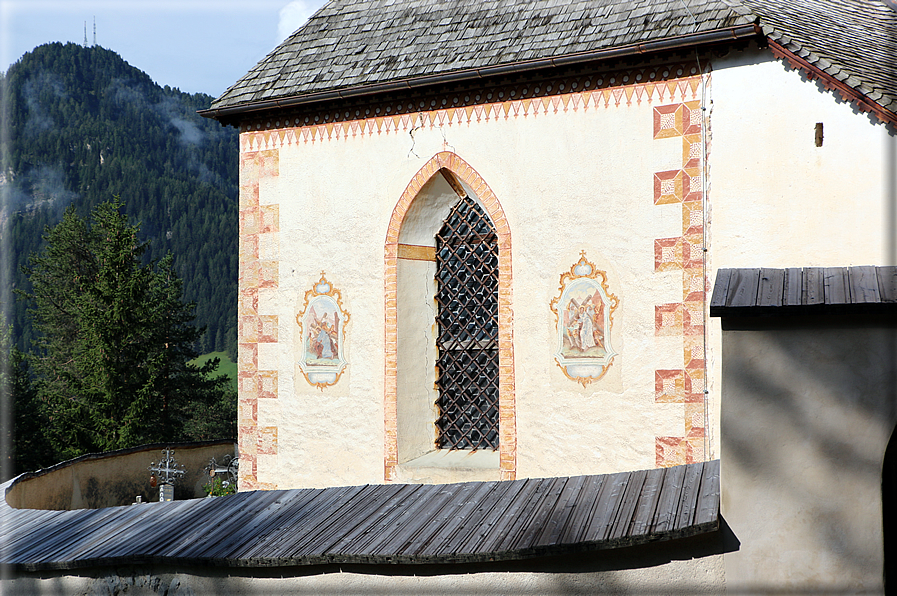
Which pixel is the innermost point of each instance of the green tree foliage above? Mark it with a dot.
(84, 125)
(114, 340)
(26, 446)
(218, 487)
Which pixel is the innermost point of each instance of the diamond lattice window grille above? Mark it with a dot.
(467, 339)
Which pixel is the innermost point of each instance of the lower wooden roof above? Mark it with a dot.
(377, 524)
(811, 290)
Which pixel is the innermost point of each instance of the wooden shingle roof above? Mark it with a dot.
(350, 43)
(811, 290)
(359, 44)
(377, 524)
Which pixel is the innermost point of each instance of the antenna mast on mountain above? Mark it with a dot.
(85, 34)
(94, 30)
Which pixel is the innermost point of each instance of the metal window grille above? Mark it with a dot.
(467, 340)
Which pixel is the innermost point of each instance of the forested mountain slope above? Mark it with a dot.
(84, 126)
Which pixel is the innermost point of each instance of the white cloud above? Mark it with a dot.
(294, 15)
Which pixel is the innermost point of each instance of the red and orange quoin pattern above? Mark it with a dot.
(682, 253)
(254, 328)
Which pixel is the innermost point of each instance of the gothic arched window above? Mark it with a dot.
(467, 336)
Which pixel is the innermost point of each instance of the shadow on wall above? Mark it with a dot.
(809, 407)
(685, 566)
(889, 514)
(115, 478)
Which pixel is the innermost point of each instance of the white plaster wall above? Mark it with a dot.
(568, 181)
(777, 200)
(332, 219)
(335, 200)
(695, 576)
(584, 181)
(416, 374)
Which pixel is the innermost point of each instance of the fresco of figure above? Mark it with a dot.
(584, 309)
(325, 343)
(586, 328)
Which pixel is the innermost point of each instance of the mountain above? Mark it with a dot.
(83, 126)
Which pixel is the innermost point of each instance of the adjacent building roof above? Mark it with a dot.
(811, 290)
(391, 523)
(352, 46)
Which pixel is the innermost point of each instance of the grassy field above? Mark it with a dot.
(224, 367)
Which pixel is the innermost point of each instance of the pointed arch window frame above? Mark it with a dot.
(454, 169)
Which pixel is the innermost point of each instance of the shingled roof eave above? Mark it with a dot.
(807, 291)
(699, 39)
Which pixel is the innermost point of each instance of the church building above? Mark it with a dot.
(577, 297)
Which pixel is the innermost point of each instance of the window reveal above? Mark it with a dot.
(467, 337)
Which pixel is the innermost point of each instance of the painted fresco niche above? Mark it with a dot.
(322, 324)
(584, 307)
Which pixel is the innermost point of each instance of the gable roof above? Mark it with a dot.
(854, 41)
(352, 47)
(807, 291)
(376, 524)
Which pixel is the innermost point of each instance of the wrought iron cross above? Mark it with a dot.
(168, 469)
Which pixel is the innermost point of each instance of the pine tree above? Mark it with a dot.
(111, 362)
(84, 125)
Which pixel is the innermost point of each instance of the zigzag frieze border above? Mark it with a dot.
(674, 90)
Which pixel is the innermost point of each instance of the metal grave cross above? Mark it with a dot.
(168, 469)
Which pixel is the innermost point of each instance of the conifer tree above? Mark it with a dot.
(25, 446)
(111, 362)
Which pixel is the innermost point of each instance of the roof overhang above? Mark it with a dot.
(695, 40)
(751, 292)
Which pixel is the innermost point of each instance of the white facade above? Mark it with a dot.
(612, 175)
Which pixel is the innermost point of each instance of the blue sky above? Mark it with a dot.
(194, 45)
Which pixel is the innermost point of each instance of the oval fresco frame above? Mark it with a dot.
(322, 324)
(584, 311)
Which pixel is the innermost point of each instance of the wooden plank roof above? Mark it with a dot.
(375, 524)
(811, 290)
(351, 44)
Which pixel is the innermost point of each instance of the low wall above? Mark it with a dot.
(115, 478)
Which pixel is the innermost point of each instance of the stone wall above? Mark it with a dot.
(115, 478)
